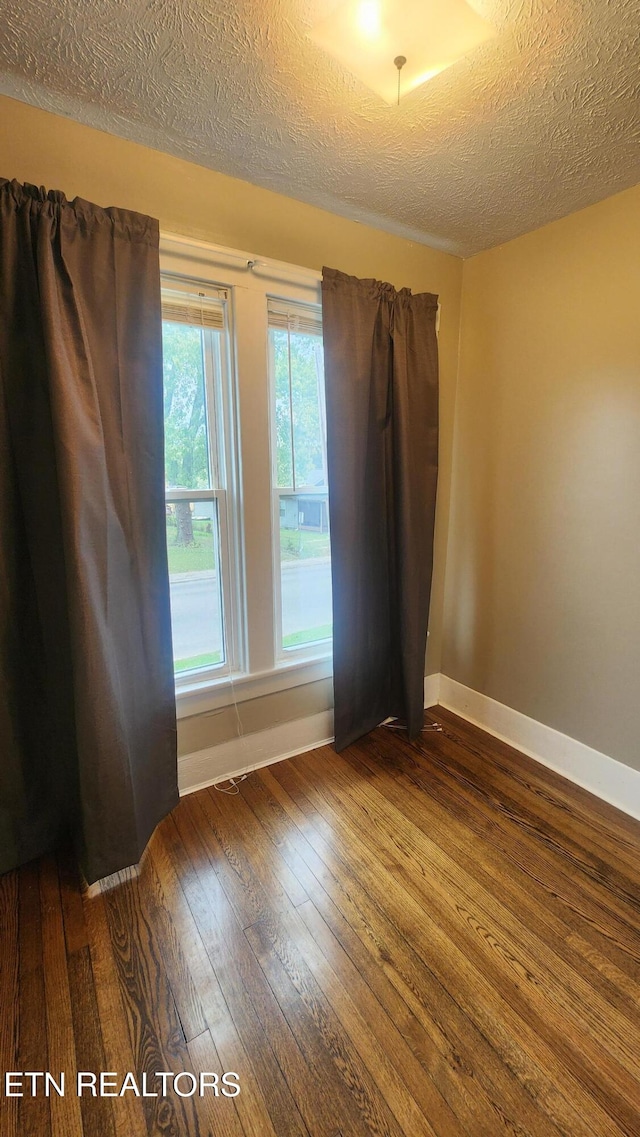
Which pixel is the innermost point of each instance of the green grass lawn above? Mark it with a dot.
(207, 660)
(311, 635)
(190, 558)
(296, 544)
(295, 639)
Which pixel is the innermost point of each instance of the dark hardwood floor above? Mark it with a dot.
(410, 940)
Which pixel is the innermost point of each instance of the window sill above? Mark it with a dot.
(211, 694)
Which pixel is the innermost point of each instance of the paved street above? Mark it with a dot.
(195, 616)
(195, 612)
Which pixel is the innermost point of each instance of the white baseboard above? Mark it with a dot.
(431, 690)
(240, 755)
(603, 776)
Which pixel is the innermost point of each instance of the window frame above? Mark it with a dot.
(222, 455)
(255, 668)
(319, 649)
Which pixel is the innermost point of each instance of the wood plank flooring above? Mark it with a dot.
(434, 939)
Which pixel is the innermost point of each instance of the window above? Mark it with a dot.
(246, 482)
(198, 473)
(299, 473)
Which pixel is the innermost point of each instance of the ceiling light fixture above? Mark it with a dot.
(370, 36)
(399, 61)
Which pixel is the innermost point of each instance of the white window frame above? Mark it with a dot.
(254, 667)
(223, 467)
(321, 648)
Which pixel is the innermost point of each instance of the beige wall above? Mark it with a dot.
(542, 603)
(44, 149)
(542, 607)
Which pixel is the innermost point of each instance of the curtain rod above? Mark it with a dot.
(223, 255)
(276, 270)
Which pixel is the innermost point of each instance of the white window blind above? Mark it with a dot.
(304, 318)
(204, 310)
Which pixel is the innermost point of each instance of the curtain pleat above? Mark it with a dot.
(381, 367)
(87, 703)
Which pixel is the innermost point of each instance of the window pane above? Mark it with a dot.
(185, 412)
(297, 360)
(193, 545)
(307, 384)
(280, 363)
(305, 570)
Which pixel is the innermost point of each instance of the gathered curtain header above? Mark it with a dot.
(83, 215)
(333, 280)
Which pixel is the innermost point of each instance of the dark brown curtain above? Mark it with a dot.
(381, 366)
(87, 707)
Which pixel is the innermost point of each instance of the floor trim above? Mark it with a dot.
(431, 690)
(251, 751)
(603, 776)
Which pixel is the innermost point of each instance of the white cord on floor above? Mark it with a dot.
(393, 724)
(233, 781)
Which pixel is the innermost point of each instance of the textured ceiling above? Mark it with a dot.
(538, 122)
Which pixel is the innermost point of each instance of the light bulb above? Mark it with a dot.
(369, 18)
